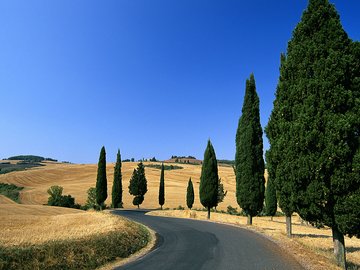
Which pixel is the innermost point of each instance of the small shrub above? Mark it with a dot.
(180, 208)
(57, 199)
(231, 210)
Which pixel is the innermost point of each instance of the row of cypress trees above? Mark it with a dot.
(314, 134)
(101, 181)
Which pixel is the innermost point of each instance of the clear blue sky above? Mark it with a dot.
(151, 77)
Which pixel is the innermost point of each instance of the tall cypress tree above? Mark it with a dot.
(279, 149)
(249, 161)
(101, 181)
(162, 187)
(190, 194)
(209, 179)
(117, 184)
(138, 184)
(316, 112)
(270, 198)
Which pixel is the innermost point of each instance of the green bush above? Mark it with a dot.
(11, 191)
(57, 199)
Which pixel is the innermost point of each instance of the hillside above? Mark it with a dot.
(76, 179)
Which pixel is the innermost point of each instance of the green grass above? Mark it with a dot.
(87, 253)
(11, 191)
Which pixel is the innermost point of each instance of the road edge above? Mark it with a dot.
(150, 247)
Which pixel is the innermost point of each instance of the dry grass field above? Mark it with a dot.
(36, 224)
(311, 246)
(77, 179)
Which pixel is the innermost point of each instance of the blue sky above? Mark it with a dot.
(153, 78)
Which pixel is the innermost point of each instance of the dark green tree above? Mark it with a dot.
(117, 184)
(279, 149)
(138, 184)
(270, 198)
(209, 179)
(91, 199)
(162, 187)
(221, 193)
(249, 161)
(190, 194)
(101, 181)
(316, 116)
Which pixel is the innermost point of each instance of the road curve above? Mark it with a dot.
(186, 244)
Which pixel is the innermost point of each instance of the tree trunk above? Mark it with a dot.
(138, 206)
(249, 220)
(339, 247)
(288, 226)
(208, 213)
(161, 207)
(272, 218)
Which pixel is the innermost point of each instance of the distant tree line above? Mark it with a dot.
(31, 158)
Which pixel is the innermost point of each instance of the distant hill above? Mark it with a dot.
(31, 158)
(185, 160)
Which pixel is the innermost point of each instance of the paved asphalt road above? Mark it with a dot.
(185, 244)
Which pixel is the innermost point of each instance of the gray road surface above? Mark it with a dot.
(185, 244)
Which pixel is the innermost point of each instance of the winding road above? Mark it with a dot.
(185, 244)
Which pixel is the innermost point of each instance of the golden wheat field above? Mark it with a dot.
(77, 179)
(22, 221)
(36, 224)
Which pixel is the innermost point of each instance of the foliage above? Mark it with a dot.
(31, 158)
(221, 193)
(86, 253)
(91, 199)
(315, 125)
(166, 167)
(190, 196)
(249, 162)
(11, 191)
(231, 210)
(101, 181)
(162, 187)
(179, 208)
(7, 167)
(138, 184)
(117, 184)
(209, 179)
(270, 198)
(57, 199)
(226, 162)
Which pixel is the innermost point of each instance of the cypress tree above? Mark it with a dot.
(209, 179)
(190, 194)
(101, 182)
(117, 184)
(162, 187)
(249, 161)
(316, 112)
(138, 184)
(270, 198)
(279, 149)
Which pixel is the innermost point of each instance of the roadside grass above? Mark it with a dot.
(44, 237)
(87, 253)
(312, 247)
(11, 191)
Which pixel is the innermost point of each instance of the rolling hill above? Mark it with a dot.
(77, 179)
